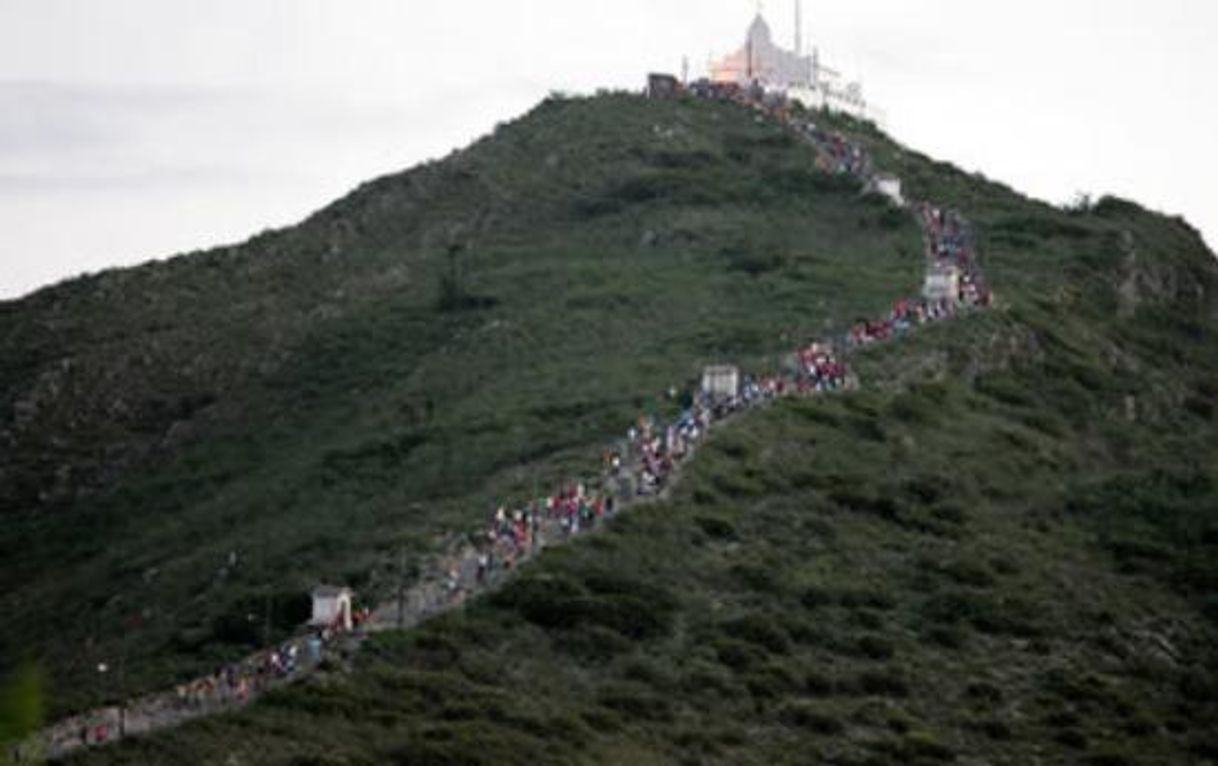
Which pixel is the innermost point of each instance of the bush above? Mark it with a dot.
(761, 630)
(548, 601)
(716, 527)
(886, 683)
(995, 729)
(971, 573)
(1009, 616)
(876, 647)
(947, 636)
(632, 608)
(818, 685)
(770, 682)
(1072, 738)
(593, 644)
(637, 702)
(815, 597)
(804, 716)
(865, 618)
(631, 616)
(706, 678)
(738, 655)
(858, 599)
(756, 264)
(757, 577)
(985, 693)
(921, 745)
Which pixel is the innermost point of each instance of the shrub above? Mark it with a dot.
(971, 573)
(738, 655)
(862, 598)
(632, 616)
(876, 647)
(761, 630)
(593, 643)
(885, 683)
(817, 684)
(1072, 738)
(770, 682)
(922, 745)
(648, 672)
(756, 264)
(1139, 726)
(995, 729)
(632, 608)
(1062, 719)
(865, 618)
(984, 692)
(815, 597)
(716, 527)
(548, 601)
(757, 577)
(636, 702)
(947, 636)
(706, 678)
(804, 716)
(1009, 616)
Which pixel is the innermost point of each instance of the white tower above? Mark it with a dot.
(799, 29)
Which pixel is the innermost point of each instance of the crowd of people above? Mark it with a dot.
(237, 682)
(950, 244)
(950, 249)
(230, 685)
(644, 464)
(835, 154)
(639, 467)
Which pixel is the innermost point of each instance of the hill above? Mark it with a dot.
(187, 439)
(1002, 549)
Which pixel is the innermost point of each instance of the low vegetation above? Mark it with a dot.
(1001, 550)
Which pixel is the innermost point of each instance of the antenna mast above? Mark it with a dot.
(799, 28)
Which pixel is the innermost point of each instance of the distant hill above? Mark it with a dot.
(1003, 548)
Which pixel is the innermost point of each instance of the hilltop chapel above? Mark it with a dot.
(801, 77)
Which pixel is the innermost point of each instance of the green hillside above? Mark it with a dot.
(315, 402)
(1003, 550)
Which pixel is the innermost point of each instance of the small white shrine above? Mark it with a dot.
(721, 381)
(942, 284)
(331, 607)
(890, 187)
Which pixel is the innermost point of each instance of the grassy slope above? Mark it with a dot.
(1003, 551)
(301, 401)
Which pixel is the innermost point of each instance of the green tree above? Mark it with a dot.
(20, 709)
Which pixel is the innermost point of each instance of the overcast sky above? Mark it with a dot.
(136, 129)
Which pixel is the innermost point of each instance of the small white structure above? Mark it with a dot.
(890, 187)
(721, 381)
(331, 607)
(942, 284)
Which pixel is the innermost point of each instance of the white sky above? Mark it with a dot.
(135, 129)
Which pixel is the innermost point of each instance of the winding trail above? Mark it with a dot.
(461, 573)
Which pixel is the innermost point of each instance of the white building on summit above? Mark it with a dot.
(803, 78)
(761, 60)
